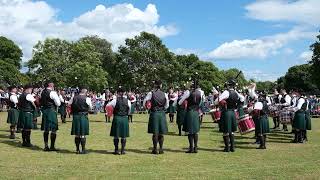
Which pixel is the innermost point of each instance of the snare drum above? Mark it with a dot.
(285, 117)
(148, 105)
(246, 124)
(215, 114)
(109, 111)
(274, 111)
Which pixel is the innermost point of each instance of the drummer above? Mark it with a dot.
(228, 101)
(276, 101)
(285, 102)
(260, 116)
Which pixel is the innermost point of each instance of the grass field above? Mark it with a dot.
(281, 160)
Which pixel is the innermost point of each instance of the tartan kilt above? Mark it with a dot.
(25, 120)
(228, 121)
(49, 120)
(157, 123)
(262, 125)
(13, 116)
(191, 122)
(120, 127)
(80, 125)
(299, 121)
(285, 117)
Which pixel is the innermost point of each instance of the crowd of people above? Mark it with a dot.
(233, 109)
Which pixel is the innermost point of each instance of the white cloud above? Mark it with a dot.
(298, 11)
(259, 75)
(258, 48)
(27, 22)
(306, 56)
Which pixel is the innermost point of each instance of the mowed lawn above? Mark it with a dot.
(281, 160)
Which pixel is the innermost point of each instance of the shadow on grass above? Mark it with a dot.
(142, 122)
(172, 134)
(3, 130)
(207, 127)
(98, 151)
(3, 136)
(18, 144)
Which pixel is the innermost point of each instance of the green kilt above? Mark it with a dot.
(299, 120)
(80, 125)
(262, 125)
(25, 120)
(36, 113)
(133, 108)
(228, 122)
(192, 122)
(308, 120)
(120, 127)
(241, 112)
(62, 110)
(13, 116)
(171, 109)
(181, 113)
(49, 120)
(157, 123)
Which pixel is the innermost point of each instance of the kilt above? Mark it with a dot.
(274, 111)
(181, 113)
(308, 120)
(49, 120)
(13, 116)
(36, 113)
(120, 127)
(299, 121)
(25, 120)
(157, 123)
(171, 109)
(228, 121)
(62, 110)
(133, 108)
(286, 117)
(262, 124)
(80, 125)
(191, 122)
(241, 112)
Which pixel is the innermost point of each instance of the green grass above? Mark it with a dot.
(281, 160)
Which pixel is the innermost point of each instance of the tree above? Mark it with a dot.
(315, 62)
(232, 73)
(266, 86)
(61, 61)
(144, 59)
(299, 78)
(10, 52)
(10, 75)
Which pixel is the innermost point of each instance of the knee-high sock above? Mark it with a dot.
(53, 137)
(116, 144)
(161, 140)
(231, 142)
(123, 144)
(28, 137)
(155, 141)
(23, 134)
(77, 142)
(83, 143)
(46, 138)
(190, 139)
(195, 138)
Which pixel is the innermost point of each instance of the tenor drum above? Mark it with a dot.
(109, 111)
(246, 124)
(215, 114)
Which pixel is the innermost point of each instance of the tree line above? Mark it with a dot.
(91, 62)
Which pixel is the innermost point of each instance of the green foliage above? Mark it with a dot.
(315, 62)
(10, 52)
(10, 75)
(266, 86)
(232, 73)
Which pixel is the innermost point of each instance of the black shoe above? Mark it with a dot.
(161, 151)
(123, 152)
(53, 149)
(195, 150)
(46, 148)
(12, 136)
(28, 145)
(78, 152)
(116, 152)
(190, 150)
(83, 152)
(154, 151)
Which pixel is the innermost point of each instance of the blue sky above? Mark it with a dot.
(262, 38)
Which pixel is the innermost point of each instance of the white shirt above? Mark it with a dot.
(287, 99)
(133, 100)
(301, 101)
(113, 103)
(62, 100)
(225, 95)
(149, 96)
(54, 96)
(30, 98)
(14, 98)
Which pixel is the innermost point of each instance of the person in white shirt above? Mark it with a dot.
(63, 106)
(172, 104)
(26, 106)
(157, 125)
(285, 102)
(120, 122)
(80, 105)
(133, 100)
(50, 101)
(301, 121)
(228, 124)
(13, 112)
